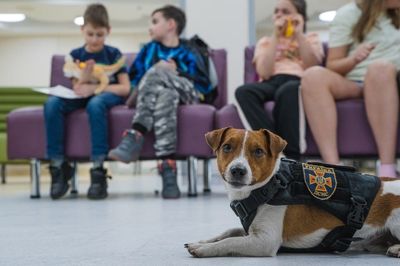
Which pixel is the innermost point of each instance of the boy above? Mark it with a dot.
(95, 30)
(167, 72)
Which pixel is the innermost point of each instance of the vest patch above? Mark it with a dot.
(320, 181)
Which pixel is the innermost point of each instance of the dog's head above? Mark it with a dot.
(245, 158)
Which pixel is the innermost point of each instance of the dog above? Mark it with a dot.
(247, 162)
(100, 73)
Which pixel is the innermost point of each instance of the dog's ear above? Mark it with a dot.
(275, 143)
(215, 137)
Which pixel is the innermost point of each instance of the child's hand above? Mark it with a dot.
(363, 51)
(298, 24)
(87, 71)
(279, 27)
(84, 90)
(170, 64)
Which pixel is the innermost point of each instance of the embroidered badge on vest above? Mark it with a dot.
(320, 181)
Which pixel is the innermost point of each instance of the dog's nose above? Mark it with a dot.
(238, 172)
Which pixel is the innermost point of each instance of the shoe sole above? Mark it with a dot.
(171, 197)
(62, 194)
(119, 159)
(97, 197)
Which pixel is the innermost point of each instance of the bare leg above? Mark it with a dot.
(320, 87)
(382, 105)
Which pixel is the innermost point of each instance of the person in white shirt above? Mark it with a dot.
(363, 59)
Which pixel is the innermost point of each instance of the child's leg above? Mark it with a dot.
(97, 109)
(165, 130)
(149, 88)
(251, 98)
(55, 110)
(165, 122)
(382, 105)
(132, 142)
(177, 89)
(320, 88)
(286, 116)
(156, 80)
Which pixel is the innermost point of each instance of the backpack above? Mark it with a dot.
(203, 50)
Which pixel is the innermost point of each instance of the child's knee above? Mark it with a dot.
(170, 98)
(95, 105)
(52, 105)
(156, 72)
(242, 92)
(287, 93)
(311, 78)
(381, 69)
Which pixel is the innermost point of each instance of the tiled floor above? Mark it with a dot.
(132, 227)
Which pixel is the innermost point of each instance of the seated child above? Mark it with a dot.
(166, 72)
(95, 30)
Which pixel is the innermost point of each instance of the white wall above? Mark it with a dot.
(25, 60)
(222, 24)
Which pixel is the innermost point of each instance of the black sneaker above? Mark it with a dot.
(98, 183)
(59, 180)
(129, 148)
(170, 189)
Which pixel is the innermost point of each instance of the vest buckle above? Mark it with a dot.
(239, 209)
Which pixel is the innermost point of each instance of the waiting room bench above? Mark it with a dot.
(27, 132)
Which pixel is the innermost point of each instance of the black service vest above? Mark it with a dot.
(340, 190)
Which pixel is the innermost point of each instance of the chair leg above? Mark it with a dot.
(206, 176)
(3, 173)
(137, 168)
(35, 179)
(192, 174)
(74, 179)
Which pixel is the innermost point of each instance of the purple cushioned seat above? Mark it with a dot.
(355, 137)
(27, 134)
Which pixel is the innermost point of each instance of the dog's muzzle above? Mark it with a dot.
(238, 174)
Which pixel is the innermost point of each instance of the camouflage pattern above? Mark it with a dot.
(160, 92)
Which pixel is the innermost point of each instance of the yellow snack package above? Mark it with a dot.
(289, 29)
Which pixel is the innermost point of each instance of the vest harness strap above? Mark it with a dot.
(337, 189)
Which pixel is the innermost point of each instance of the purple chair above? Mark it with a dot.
(355, 138)
(27, 137)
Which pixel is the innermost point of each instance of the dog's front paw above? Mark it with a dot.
(198, 250)
(394, 251)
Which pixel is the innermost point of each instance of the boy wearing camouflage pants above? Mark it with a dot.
(166, 73)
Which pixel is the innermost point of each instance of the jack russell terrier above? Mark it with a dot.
(284, 205)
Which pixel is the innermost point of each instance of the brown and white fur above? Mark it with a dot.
(295, 226)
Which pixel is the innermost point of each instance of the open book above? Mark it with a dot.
(60, 91)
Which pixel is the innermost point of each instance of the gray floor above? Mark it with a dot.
(132, 227)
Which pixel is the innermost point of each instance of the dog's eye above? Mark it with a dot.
(258, 152)
(227, 148)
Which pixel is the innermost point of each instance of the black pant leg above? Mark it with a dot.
(286, 116)
(251, 98)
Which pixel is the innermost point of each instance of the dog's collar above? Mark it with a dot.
(246, 209)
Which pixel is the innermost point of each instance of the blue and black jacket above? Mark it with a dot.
(189, 64)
